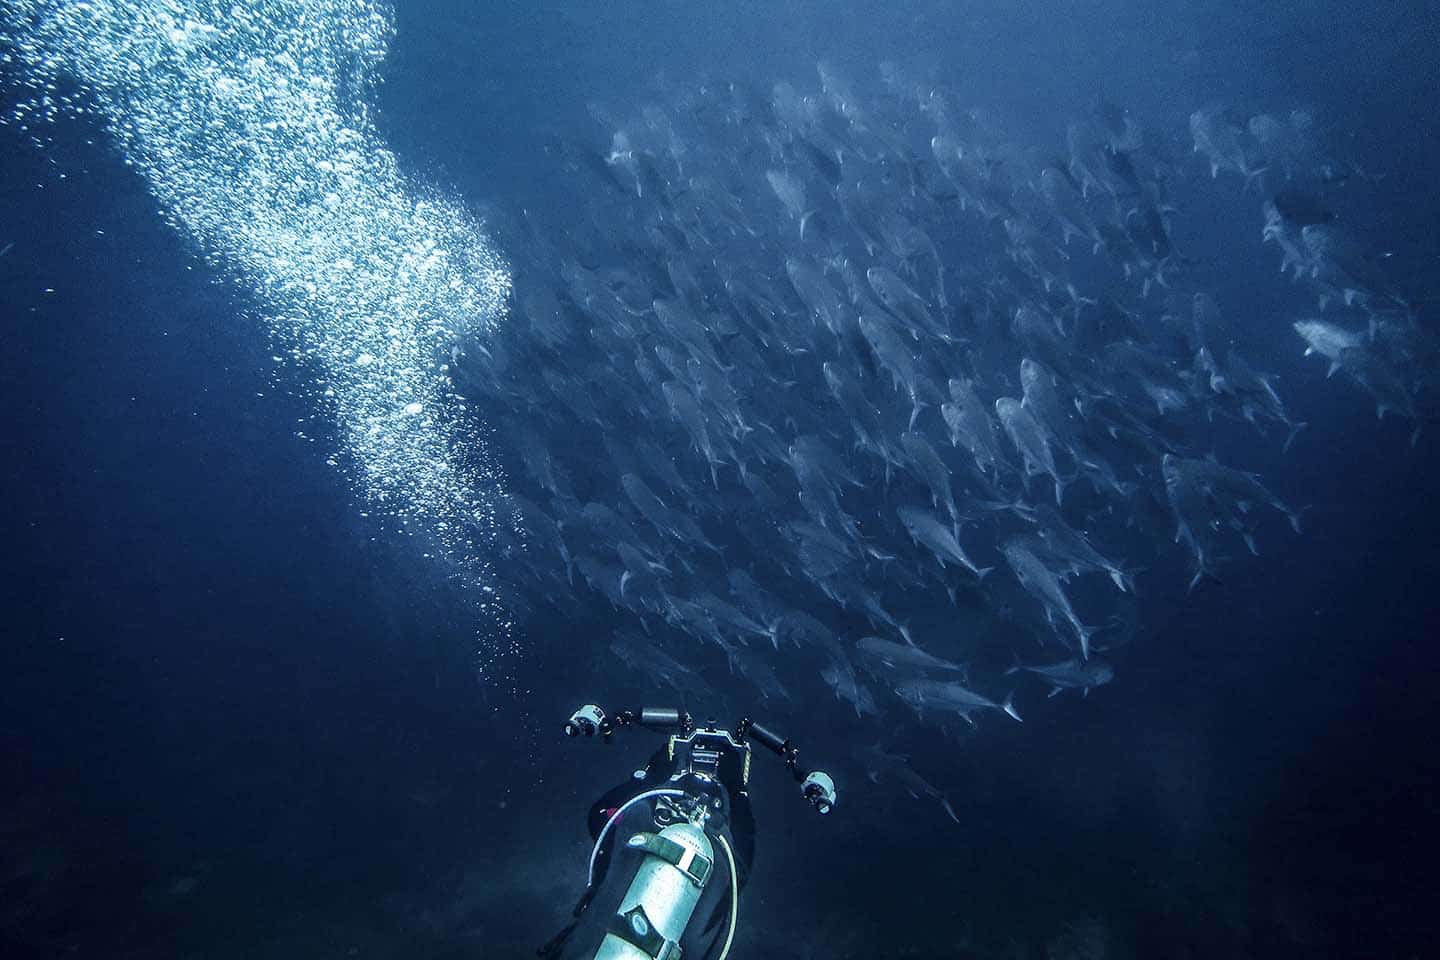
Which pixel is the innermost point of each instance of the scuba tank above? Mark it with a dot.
(661, 899)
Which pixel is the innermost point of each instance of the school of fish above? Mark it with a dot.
(816, 387)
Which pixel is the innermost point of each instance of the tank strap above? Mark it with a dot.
(695, 865)
(635, 928)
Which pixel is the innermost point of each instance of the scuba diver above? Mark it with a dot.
(674, 842)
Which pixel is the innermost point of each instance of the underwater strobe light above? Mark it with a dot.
(819, 789)
(588, 720)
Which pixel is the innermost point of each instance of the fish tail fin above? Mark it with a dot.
(945, 802)
(1009, 707)
(1203, 571)
(772, 630)
(1294, 518)
(1290, 437)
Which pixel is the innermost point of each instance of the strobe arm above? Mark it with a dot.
(590, 720)
(817, 786)
(664, 718)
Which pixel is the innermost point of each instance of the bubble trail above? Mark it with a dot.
(251, 125)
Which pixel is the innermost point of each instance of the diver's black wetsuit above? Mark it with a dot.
(705, 935)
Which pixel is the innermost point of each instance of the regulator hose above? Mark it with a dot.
(734, 896)
(594, 853)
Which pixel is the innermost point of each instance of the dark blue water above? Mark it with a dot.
(238, 719)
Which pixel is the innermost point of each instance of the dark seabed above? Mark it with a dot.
(290, 647)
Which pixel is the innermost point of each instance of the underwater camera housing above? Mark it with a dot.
(710, 765)
(710, 754)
